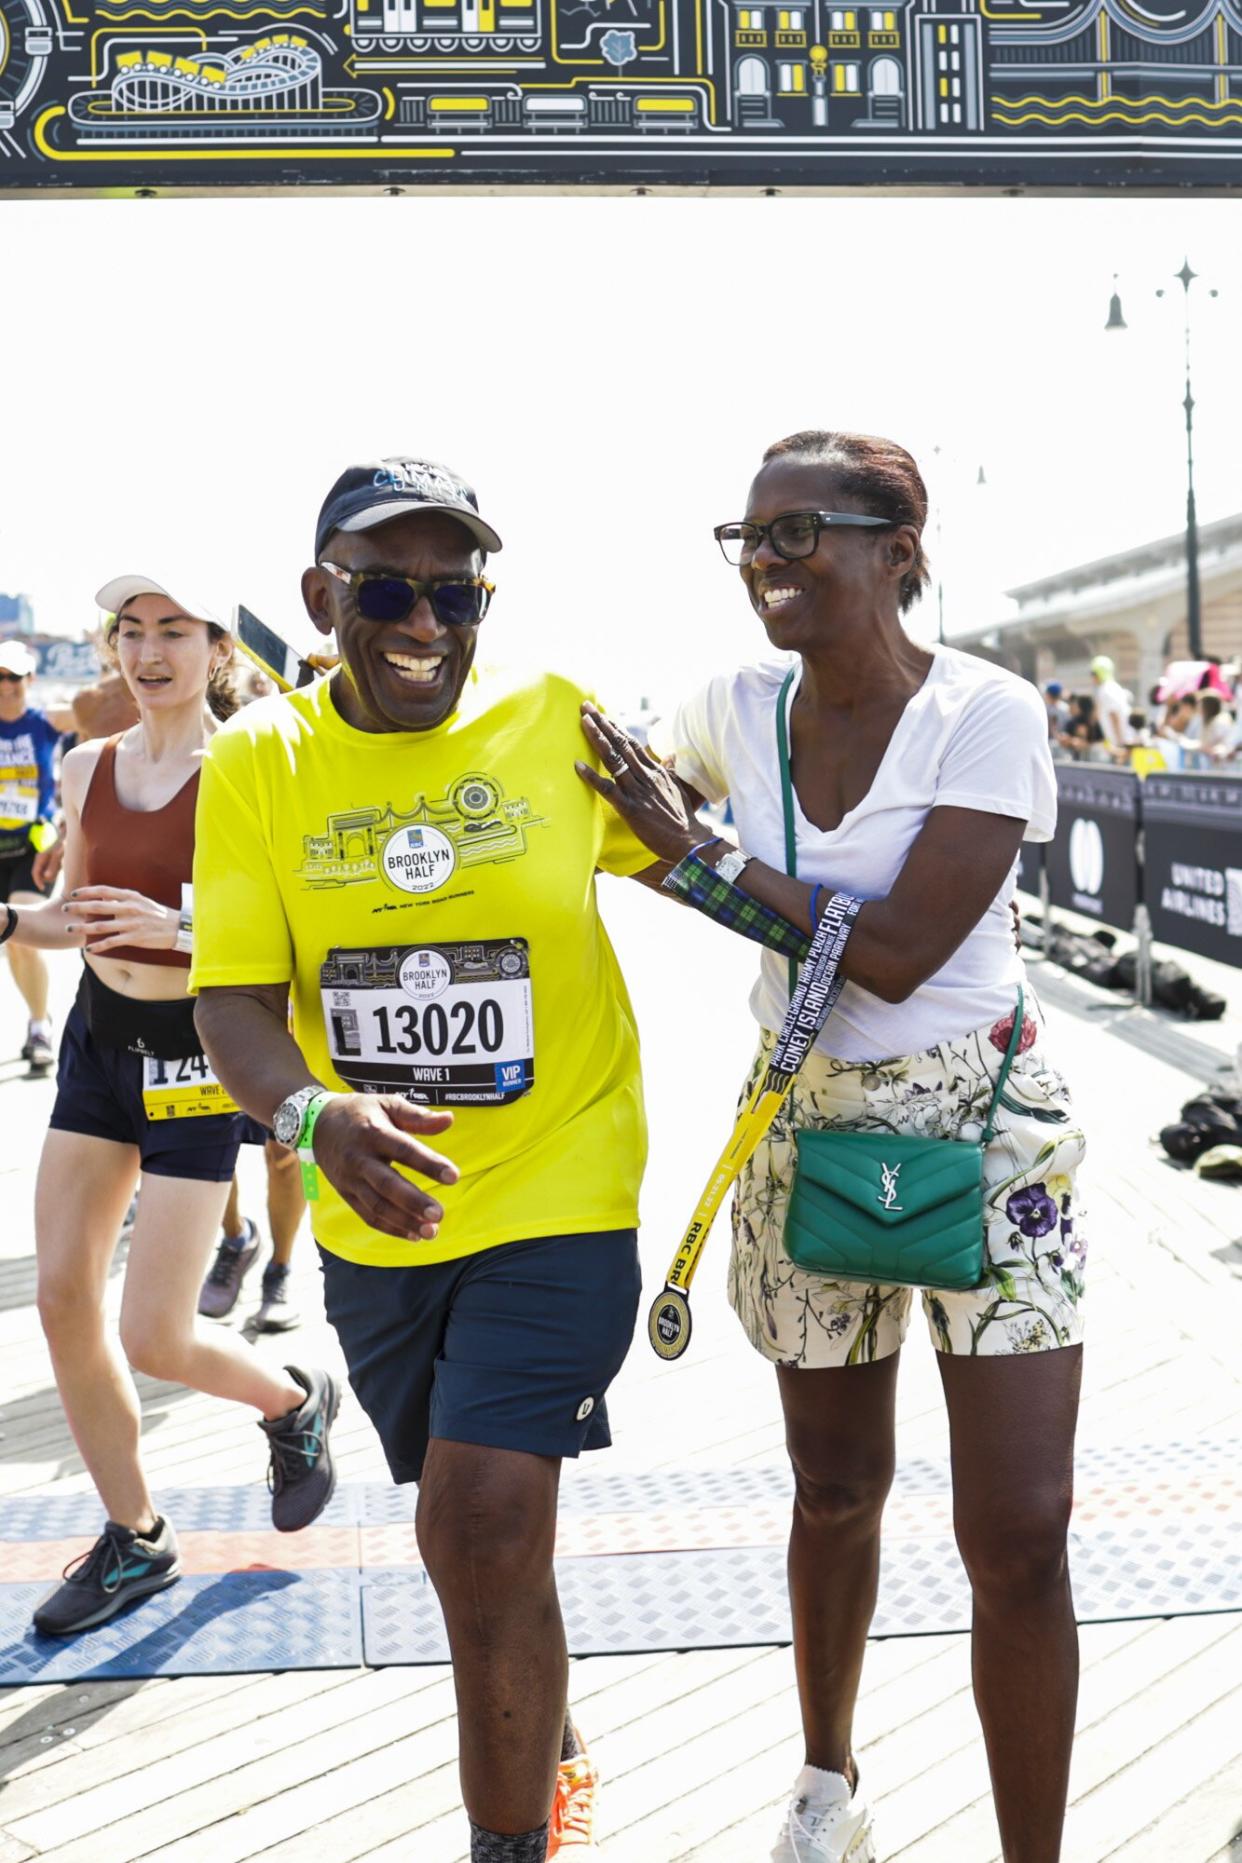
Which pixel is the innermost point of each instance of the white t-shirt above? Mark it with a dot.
(1112, 709)
(972, 737)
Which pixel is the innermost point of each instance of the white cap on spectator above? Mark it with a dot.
(17, 658)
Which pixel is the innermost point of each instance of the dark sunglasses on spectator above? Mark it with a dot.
(12, 679)
(456, 601)
(792, 534)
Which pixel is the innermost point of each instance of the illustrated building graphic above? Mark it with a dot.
(692, 91)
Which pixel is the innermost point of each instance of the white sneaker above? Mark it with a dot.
(825, 1822)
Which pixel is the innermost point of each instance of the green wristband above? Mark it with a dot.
(305, 1145)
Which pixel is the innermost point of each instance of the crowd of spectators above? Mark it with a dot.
(1190, 721)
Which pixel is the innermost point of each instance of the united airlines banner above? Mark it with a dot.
(1192, 879)
(129, 95)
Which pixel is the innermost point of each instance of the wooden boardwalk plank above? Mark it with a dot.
(137, 1748)
(183, 1793)
(697, 1750)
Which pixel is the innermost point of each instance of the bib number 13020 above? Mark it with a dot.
(439, 1029)
(445, 1024)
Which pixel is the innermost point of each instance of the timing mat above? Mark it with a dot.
(671, 1560)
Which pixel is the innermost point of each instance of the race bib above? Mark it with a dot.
(182, 1089)
(443, 1024)
(19, 794)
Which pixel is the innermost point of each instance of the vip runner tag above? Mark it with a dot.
(443, 1024)
(181, 1089)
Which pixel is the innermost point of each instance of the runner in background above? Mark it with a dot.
(29, 843)
(135, 1094)
(404, 849)
(240, 1246)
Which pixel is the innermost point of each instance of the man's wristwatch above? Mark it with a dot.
(293, 1115)
(730, 865)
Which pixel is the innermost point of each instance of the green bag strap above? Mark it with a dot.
(1019, 1018)
(791, 838)
(791, 868)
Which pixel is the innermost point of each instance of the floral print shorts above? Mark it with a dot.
(1031, 1296)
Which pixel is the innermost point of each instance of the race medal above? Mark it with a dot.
(442, 1024)
(182, 1089)
(668, 1323)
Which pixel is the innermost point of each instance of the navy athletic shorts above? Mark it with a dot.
(512, 1348)
(17, 876)
(99, 1093)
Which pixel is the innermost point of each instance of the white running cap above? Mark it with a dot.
(114, 595)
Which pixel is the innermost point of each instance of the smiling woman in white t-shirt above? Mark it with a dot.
(917, 772)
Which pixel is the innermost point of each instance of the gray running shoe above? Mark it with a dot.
(38, 1051)
(235, 1257)
(302, 1476)
(120, 1566)
(276, 1312)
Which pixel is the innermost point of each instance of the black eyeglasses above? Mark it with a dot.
(456, 601)
(12, 679)
(792, 534)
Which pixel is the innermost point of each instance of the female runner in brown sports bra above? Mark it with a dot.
(135, 1094)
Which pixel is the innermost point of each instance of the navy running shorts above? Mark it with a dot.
(99, 1093)
(17, 876)
(512, 1348)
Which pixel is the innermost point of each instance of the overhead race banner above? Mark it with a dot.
(1092, 863)
(1192, 882)
(197, 94)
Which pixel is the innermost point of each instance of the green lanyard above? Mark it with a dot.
(787, 799)
(791, 868)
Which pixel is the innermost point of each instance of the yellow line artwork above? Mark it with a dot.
(693, 94)
(378, 152)
(1119, 116)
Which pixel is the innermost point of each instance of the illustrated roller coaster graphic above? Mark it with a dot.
(270, 88)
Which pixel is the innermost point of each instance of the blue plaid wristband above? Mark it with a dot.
(698, 885)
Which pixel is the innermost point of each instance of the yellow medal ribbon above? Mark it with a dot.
(668, 1323)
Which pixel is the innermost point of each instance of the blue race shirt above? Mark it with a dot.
(27, 782)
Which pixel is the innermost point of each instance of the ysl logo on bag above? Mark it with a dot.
(888, 1196)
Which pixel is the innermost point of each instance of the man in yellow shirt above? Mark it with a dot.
(405, 851)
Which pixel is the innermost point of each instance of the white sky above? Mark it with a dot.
(187, 378)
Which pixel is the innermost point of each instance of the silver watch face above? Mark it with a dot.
(288, 1121)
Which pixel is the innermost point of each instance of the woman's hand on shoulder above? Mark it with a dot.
(650, 797)
(110, 917)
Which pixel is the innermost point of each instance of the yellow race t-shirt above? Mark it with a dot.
(430, 898)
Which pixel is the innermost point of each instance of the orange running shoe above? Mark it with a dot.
(571, 1829)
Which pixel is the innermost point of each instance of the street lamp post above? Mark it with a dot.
(981, 478)
(1194, 615)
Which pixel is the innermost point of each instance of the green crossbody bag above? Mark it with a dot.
(881, 1207)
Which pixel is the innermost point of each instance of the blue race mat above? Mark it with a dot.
(220, 1624)
(245, 1509)
(736, 1596)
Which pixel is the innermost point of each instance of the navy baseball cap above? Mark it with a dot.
(371, 494)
